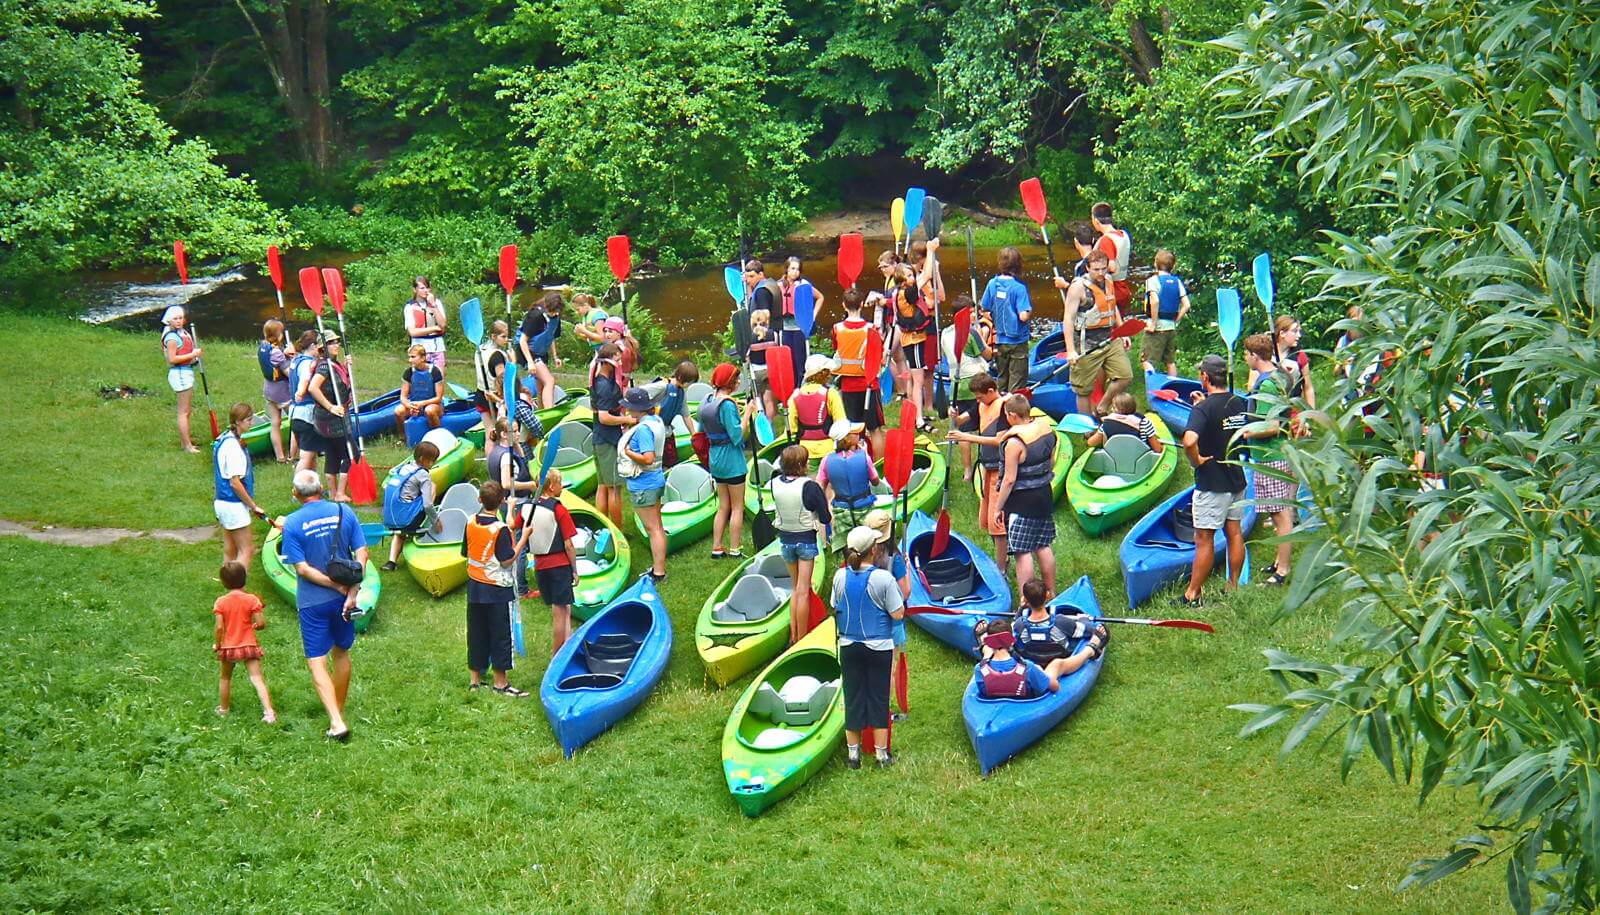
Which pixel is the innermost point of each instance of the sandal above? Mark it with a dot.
(341, 737)
(1184, 600)
(512, 691)
(1276, 578)
(388, 567)
(719, 554)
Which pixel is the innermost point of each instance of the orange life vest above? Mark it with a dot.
(851, 343)
(482, 564)
(1102, 314)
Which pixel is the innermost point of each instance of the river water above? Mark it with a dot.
(692, 304)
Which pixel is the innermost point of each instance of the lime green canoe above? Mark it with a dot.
(787, 724)
(1120, 480)
(603, 557)
(284, 579)
(434, 559)
(688, 506)
(575, 457)
(745, 621)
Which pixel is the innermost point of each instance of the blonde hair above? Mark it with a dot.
(416, 349)
(552, 483)
(760, 319)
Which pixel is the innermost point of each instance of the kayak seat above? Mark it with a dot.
(751, 599)
(802, 701)
(589, 681)
(698, 392)
(1122, 460)
(441, 438)
(949, 578)
(689, 484)
(566, 456)
(1183, 522)
(452, 527)
(774, 569)
(611, 653)
(462, 497)
(917, 476)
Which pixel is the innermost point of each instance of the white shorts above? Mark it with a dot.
(434, 358)
(1212, 509)
(180, 378)
(231, 515)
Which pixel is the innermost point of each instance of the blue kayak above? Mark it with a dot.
(1175, 413)
(608, 667)
(376, 416)
(1159, 548)
(1055, 398)
(1002, 728)
(964, 578)
(459, 416)
(1042, 355)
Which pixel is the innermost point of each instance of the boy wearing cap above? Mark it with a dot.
(847, 474)
(814, 407)
(1219, 482)
(639, 462)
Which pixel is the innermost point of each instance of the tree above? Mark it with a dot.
(1457, 491)
(294, 48)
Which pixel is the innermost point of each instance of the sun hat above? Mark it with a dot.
(862, 539)
(843, 427)
(638, 399)
(817, 363)
(880, 521)
(616, 324)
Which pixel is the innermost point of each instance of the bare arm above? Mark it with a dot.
(1069, 320)
(1191, 447)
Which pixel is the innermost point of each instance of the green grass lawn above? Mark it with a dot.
(123, 790)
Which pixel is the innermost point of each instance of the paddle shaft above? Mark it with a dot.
(1120, 620)
(353, 415)
(205, 387)
(333, 383)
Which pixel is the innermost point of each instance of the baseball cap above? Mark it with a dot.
(843, 427)
(862, 539)
(1214, 366)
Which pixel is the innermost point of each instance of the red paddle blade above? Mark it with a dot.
(903, 688)
(1164, 394)
(363, 482)
(941, 533)
(333, 283)
(874, 354)
(508, 268)
(619, 254)
(1183, 624)
(311, 288)
(1033, 200)
(963, 321)
(934, 611)
(851, 258)
(818, 610)
(908, 417)
(1128, 328)
(899, 443)
(780, 372)
(275, 266)
(181, 257)
(216, 430)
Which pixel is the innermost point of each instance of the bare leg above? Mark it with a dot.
(230, 549)
(259, 681)
(736, 518)
(341, 676)
(651, 516)
(185, 398)
(435, 415)
(225, 688)
(560, 626)
(1205, 555)
(1114, 388)
(1024, 571)
(326, 691)
(1235, 552)
(1283, 523)
(274, 422)
(725, 508)
(547, 385)
(1047, 570)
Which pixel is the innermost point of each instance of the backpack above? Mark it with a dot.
(397, 513)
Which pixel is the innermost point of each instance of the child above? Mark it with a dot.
(605, 396)
(675, 404)
(239, 614)
(913, 316)
(762, 339)
(1083, 238)
(555, 562)
(273, 355)
(490, 363)
(1045, 637)
(535, 345)
(889, 557)
(851, 339)
(1002, 676)
(814, 407)
(1006, 298)
(1341, 359)
(421, 390)
(847, 474)
(490, 549)
(983, 426)
(408, 504)
(590, 317)
(1124, 419)
(800, 510)
(639, 462)
(866, 602)
(1166, 302)
(969, 366)
(615, 331)
(182, 355)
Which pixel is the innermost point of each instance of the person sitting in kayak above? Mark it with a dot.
(1125, 419)
(421, 390)
(814, 407)
(1046, 637)
(1003, 675)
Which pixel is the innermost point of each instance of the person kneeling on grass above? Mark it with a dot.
(639, 462)
(555, 562)
(490, 549)
(1045, 637)
(239, 614)
(408, 504)
(866, 603)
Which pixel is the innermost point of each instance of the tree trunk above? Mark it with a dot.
(1144, 56)
(319, 128)
(297, 60)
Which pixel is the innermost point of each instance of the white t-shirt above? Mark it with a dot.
(231, 461)
(417, 316)
(1152, 290)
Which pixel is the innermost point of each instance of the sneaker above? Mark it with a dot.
(886, 760)
(852, 762)
(1184, 600)
(512, 691)
(898, 717)
(718, 554)
(389, 567)
(1275, 579)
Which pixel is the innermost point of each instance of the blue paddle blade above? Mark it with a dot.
(764, 430)
(1263, 271)
(472, 321)
(552, 444)
(915, 197)
(1228, 315)
(733, 279)
(886, 382)
(510, 391)
(805, 307)
(1077, 424)
(602, 541)
(516, 629)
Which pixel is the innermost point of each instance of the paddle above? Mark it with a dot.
(508, 272)
(1124, 620)
(1228, 318)
(904, 447)
(765, 434)
(275, 269)
(915, 197)
(972, 266)
(733, 280)
(311, 291)
(552, 444)
(1262, 268)
(897, 220)
(852, 256)
(1033, 201)
(932, 222)
(941, 527)
(805, 308)
(780, 376)
(619, 255)
(363, 483)
(472, 321)
(874, 365)
(181, 257)
(1127, 328)
(509, 393)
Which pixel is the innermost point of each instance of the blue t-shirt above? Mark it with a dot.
(605, 395)
(1006, 299)
(1038, 680)
(644, 442)
(309, 535)
(728, 461)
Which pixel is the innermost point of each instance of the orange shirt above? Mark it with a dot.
(236, 608)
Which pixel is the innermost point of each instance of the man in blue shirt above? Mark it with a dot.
(1006, 298)
(313, 535)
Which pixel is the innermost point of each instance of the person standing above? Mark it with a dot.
(725, 426)
(1166, 302)
(851, 338)
(1091, 315)
(970, 364)
(675, 406)
(866, 603)
(555, 561)
(1267, 434)
(794, 338)
(1006, 299)
(814, 407)
(1117, 246)
(913, 317)
(490, 549)
(303, 431)
(177, 345)
(489, 368)
(330, 414)
(507, 463)
(273, 357)
(639, 462)
(535, 349)
(1294, 362)
(800, 515)
(605, 396)
(426, 321)
(890, 557)
(234, 487)
(1219, 483)
(314, 535)
(239, 614)
(847, 474)
(1029, 454)
(983, 426)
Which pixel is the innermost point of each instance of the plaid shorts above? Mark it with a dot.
(1024, 535)
(1275, 494)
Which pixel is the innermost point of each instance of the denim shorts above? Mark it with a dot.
(646, 498)
(796, 552)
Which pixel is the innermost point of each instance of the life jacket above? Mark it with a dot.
(1042, 642)
(519, 464)
(421, 386)
(792, 515)
(773, 287)
(1004, 684)
(328, 424)
(711, 421)
(850, 475)
(1039, 453)
(185, 346)
(811, 414)
(788, 295)
(482, 565)
(480, 363)
(850, 339)
(627, 467)
(224, 489)
(397, 512)
(417, 313)
(913, 320)
(269, 372)
(299, 362)
(861, 620)
(540, 344)
(544, 529)
(1169, 296)
(1101, 313)
(990, 419)
(1124, 248)
(671, 403)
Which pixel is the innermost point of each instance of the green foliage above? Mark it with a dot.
(1468, 642)
(89, 173)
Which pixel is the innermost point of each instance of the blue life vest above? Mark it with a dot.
(224, 488)
(1043, 642)
(294, 373)
(539, 346)
(422, 386)
(398, 513)
(519, 464)
(711, 421)
(671, 404)
(269, 372)
(861, 620)
(850, 475)
(1169, 296)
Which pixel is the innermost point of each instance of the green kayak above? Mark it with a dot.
(575, 458)
(688, 506)
(745, 621)
(1058, 473)
(284, 579)
(258, 439)
(786, 725)
(603, 557)
(1120, 480)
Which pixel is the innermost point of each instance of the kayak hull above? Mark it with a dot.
(1001, 728)
(991, 591)
(438, 568)
(758, 778)
(731, 649)
(1175, 413)
(602, 576)
(1099, 509)
(284, 580)
(580, 713)
(1153, 556)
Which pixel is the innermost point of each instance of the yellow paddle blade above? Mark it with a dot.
(897, 218)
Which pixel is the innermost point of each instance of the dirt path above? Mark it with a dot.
(100, 536)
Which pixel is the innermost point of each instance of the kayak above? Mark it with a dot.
(925, 486)
(745, 621)
(1055, 398)
(373, 417)
(1114, 483)
(787, 724)
(1002, 728)
(575, 458)
(963, 578)
(1042, 356)
(1159, 548)
(1175, 413)
(608, 666)
(455, 455)
(1058, 471)
(285, 580)
(258, 438)
(434, 559)
(688, 506)
(459, 416)
(603, 556)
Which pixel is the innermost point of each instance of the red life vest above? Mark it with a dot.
(1004, 684)
(811, 414)
(185, 344)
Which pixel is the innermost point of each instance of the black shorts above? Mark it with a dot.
(855, 409)
(489, 636)
(915, 354)
(306, 436)
(970, 409)
(336, 459)
(555, 585)
(733, 481)
(415, 527)
(865, 672)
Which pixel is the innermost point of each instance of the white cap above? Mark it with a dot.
(843, 427)
(862, 539)
(817, 363)
(173, 311)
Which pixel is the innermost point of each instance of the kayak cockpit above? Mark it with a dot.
(594, 547)
(606, 655)
(790, 701)
(1122, 461)
(757, 594)
(688, 486)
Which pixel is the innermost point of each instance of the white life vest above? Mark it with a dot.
(627, 467)
(792, 515)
